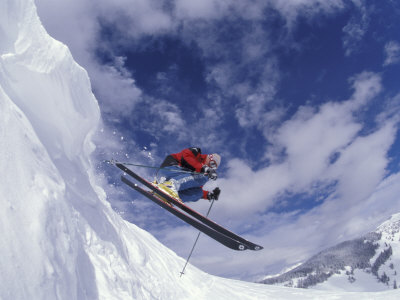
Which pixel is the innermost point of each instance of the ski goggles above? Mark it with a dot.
(213, 164)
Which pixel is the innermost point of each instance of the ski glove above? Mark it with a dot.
(210, 172)
(214, 195)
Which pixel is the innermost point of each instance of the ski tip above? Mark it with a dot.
(110, 161)
(257, 248)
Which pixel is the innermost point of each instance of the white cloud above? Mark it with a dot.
(206, 9)
(251, 109)
(257, 106)
(139, 16)
(208, 129)
(392, 53)
(253, 9)
(366, 86)
(309, 140)
(355, 29)
(290, 10)
(391, 111)
(115, 88)
(169, 115)
(362, 165)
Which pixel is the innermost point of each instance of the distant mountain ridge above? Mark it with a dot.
(368, 263)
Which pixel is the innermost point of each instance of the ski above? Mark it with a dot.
(218, 236)
(190, 211)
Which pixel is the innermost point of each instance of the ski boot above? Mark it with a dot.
(167, 187)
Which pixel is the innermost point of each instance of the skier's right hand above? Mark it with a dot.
(214, 195)
(210, 172)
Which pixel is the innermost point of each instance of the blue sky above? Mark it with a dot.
(301, 99)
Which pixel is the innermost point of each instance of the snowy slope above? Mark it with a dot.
(60, 239)
(384, 266)
(369, 263)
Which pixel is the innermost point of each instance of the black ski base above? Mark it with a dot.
(218, 236)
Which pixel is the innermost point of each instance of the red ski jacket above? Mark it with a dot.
(190, 158)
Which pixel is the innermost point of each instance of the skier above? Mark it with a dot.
(187, 171)
(180, 162)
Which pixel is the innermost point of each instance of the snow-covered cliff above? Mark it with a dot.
(60, 239)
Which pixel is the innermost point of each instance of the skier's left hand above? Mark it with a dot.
(210, 172)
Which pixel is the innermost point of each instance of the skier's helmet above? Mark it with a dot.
(214, 160)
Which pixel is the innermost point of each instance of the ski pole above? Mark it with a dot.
(113, 162)
(194, 245)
